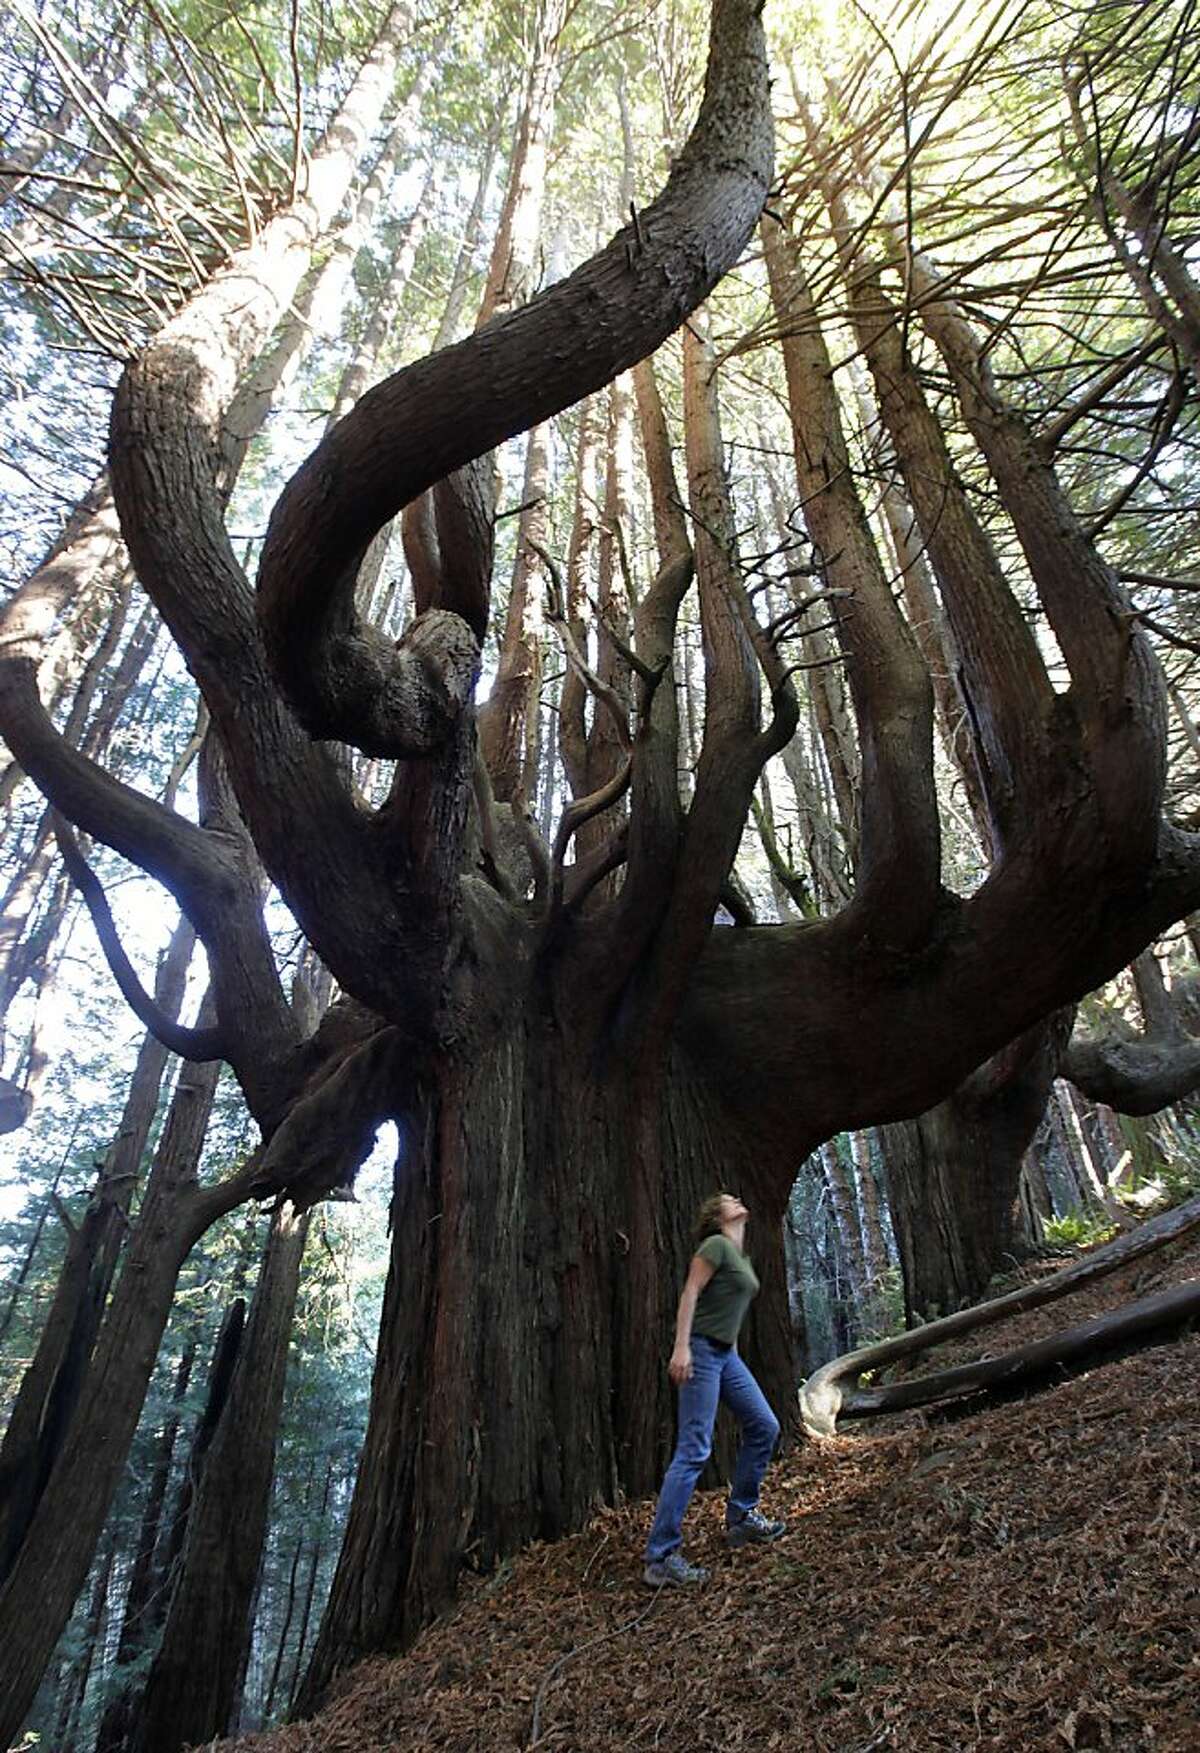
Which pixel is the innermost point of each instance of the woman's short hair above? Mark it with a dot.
(708, 1217)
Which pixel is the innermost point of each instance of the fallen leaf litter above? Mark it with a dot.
(1021, 1578)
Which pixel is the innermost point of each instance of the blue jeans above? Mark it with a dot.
(718, 1373)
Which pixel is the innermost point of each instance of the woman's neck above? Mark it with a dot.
(736, 1233)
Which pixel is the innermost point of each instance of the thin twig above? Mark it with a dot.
(592, 1643)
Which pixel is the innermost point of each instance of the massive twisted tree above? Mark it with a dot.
(572, 1051)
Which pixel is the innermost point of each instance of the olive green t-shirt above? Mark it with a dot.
(722, 1304)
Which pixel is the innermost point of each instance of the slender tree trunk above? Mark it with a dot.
(504, 718)
(875, 1251)
(310, 1589)
(472, 233)
(846, 1217)
(1163, 260)
(289, 1609)
(39, 1592)
(186, 1701)
(23, 1270)
(144, 1579)
(52, 1385)
(75, 1690)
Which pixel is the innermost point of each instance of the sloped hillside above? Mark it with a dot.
(1024, 1577)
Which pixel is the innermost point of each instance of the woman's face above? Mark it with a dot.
(732, 1209)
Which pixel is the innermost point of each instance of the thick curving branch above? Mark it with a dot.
(196, 1044)
(424, 422)
(163, 843)
(1139, 1074)
(898, 866)
(1134, 1077)
(1041, 932)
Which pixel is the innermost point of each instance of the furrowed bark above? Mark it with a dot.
(508, 1400)
(954, 1175)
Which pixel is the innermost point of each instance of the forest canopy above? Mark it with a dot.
(601, 594)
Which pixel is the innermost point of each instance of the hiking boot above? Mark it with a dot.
(674, 1571)
(752, 1529)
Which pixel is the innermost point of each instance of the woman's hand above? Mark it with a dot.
(680, 1367)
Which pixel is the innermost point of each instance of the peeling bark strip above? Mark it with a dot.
(409, 432)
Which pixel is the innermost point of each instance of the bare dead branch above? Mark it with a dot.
(556, 613)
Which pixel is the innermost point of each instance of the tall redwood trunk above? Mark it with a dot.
(185, 1701)
(145, 1578)
(516, 1331)
(37, 1596)
(51, 1386)
(954, 1177)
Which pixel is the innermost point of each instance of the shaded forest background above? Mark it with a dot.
(1019, 181)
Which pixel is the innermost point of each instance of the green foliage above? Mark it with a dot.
(883, 1314)
(1079, 1229)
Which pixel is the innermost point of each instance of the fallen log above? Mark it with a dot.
(1165, 1311)
(828, 1392)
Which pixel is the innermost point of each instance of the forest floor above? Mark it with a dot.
(1018, 1578)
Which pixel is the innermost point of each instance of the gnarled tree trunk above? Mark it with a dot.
(507, 1392)
(954, 1177)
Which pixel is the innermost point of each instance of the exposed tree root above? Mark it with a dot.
(830, 1391)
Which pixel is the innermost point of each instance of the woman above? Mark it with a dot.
(706, 1368)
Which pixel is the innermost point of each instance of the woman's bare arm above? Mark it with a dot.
(699, 1272)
